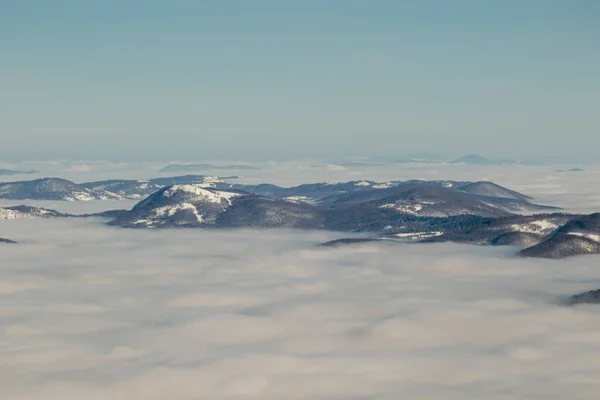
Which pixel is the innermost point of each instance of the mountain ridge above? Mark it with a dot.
(17, 172)
(481, 212)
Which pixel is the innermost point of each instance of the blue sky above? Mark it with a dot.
(193, 79)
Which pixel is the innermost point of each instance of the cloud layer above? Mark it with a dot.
(88, 311)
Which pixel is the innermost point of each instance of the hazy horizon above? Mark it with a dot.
(417, 157)
(281, 80)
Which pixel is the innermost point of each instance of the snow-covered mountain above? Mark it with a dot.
(312, 192)
(62, 189)
(489, 189)
(265, 212)
(52, 189)
(428, 211)
(349, 206)
(201, 206)
(3, 240)
(134, 189)
(179, 205)
(544, 236)
(327, 194)
(324, 193)
(492, 199)
(579, 236)
(128, 189)
(516, 230)
(431, 201)
(22, 212)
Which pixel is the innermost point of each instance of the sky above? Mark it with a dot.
(272, 80)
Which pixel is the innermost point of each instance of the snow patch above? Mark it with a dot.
(542, 226)
(11, 214)
(172, 210)
(300, 199)
(384, 185)
(408, 207)
(14, 214)
(592, 236)
(362, 183)
(215, 197)
(418, 235)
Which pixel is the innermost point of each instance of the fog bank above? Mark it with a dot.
(88, 311)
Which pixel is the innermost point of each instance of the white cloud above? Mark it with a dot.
(89, 311)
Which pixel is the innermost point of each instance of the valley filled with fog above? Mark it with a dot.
(100, 312)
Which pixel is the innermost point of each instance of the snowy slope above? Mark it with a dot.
(179, 205)
(579, 236)
(21, 212)
(52, 189)
(128, 189)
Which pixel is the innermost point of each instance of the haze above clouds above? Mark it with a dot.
(157, 80)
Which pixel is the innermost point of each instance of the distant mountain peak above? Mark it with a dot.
(27, 212)
(52, 189)
(201, 191)
(476, 159)
(205, 167)
(17, 172)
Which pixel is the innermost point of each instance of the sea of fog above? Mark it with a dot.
(94, 312)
